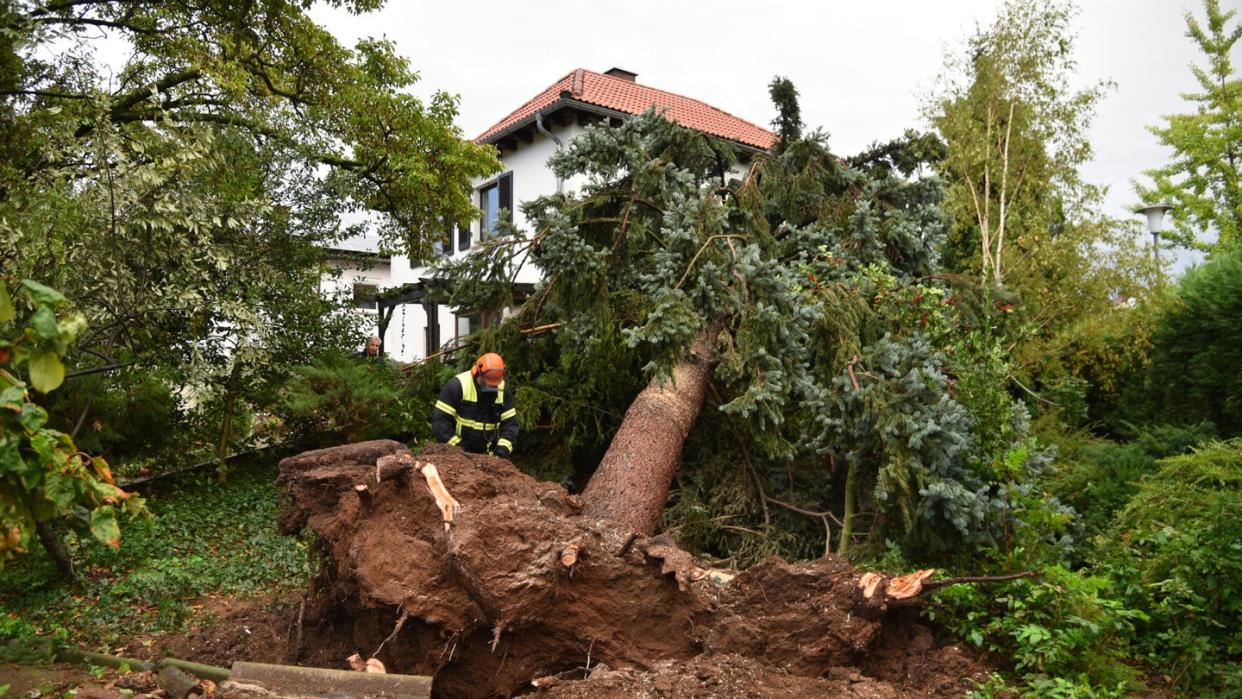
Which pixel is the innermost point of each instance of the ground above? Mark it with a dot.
(625, 620)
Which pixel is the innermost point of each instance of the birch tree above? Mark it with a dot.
(1015, 128)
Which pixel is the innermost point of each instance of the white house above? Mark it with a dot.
(526, 139)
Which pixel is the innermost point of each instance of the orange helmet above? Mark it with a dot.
(489, 369)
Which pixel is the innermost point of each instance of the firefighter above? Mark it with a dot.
(475, 410)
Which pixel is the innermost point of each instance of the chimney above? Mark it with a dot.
(622, 73)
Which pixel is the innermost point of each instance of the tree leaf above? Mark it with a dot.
(46, 371)
(6, 305)
(43, 293)
(104, 526)
(60, 489)
(44, 323)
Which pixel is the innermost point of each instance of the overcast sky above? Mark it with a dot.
(861, 67)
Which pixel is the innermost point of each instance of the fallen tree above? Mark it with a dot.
(461, 567)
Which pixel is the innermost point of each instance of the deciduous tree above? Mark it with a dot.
(1202, 180)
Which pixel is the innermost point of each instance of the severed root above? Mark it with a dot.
(373, 665)
(569, 556)
(449, 507)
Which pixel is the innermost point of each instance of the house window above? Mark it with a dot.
(468, 325)
(365, 295)
(444, 246)
(489, 203)
(463, 237)
(495, 199)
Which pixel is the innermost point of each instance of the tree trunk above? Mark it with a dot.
(226, 423)
(632, 481)
(851, 498)
(53, 541)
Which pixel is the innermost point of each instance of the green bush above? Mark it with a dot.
(1097, 477)
(1060, 630)
(1176, 552)
(339, 399)
(1196, 352)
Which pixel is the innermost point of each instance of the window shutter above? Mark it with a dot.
(505, 184)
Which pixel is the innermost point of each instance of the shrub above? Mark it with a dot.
(1056, 627)
(347, 399)
(1097, 477)
(1176, 551)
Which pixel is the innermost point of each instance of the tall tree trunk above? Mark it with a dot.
(631, 484)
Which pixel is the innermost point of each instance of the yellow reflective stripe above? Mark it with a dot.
(511, 412)
(500, 394)
(468, 391)
(474, 424)
(441, 405)
(502, 442)
(455, 440)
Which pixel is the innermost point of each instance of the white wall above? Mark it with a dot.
(406, 334)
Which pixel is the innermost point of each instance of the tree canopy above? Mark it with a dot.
(1202, 182)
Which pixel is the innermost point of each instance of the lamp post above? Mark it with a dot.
(1155, 225)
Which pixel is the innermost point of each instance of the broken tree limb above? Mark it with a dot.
(876, 593)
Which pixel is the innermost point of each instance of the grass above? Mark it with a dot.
(205, 538)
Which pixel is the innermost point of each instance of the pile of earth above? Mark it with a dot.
(491, 607)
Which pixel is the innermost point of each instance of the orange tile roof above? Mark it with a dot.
(629, 97)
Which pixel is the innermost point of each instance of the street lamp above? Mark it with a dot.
(1155, 224)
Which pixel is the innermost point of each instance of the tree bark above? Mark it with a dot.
(53, 541)
(631, 484)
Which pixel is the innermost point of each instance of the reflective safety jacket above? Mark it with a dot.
(478, 421)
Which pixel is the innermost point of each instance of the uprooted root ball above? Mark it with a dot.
(523, 593)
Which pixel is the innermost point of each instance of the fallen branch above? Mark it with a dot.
(875, 593)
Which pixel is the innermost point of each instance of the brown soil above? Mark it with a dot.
(227, 629)
(502, 612)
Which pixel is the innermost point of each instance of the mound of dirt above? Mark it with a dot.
(491, 609)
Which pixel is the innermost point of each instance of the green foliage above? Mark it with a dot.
(205, 538)
(186, 200)
(788, 122)
(1176, 551)
(1196, 355)
(346, 399)
(1202, 179)
(1065, 633)
(1015, 127)
(43, 475)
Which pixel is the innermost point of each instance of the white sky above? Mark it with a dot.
(860, 67)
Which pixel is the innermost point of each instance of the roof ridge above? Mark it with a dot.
(680, 96)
